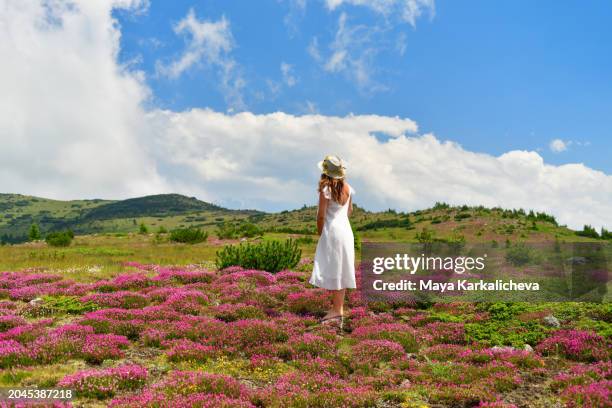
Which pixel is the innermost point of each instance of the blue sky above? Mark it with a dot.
(492, 76)
(234, 102)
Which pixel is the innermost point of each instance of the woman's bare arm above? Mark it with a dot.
(321, 212)
(350, 206)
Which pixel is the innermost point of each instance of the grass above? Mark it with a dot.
(94, 257)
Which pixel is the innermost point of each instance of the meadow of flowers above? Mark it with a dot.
(188, 337)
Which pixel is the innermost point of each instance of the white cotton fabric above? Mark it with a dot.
(334, 261)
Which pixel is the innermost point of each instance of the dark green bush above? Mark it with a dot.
(231, 231)
(188, 235)
(305, 240)
(59, 238)
(462, 216)
(605, 234)
(271, 256)
(519, 254)
(34, 234)
(588, 231)
(391, 223)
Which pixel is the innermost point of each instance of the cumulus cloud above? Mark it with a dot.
(73, 126)
(208, 44)
(70, 115)
(274, 166)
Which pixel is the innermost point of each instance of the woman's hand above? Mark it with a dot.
(321, 212)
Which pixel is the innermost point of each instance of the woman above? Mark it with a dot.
(334, 261)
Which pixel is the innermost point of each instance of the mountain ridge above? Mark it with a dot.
(169, 211)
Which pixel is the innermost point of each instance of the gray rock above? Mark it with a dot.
(502, 348)
(551, 321)
(36, 301)
(576, 260)
(528, 348)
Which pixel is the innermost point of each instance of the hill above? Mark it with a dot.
(169, 211)
(19, 212)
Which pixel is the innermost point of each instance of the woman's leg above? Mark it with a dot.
(337, 303)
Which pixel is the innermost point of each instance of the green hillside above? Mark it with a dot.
(19, 212)
(170, 211)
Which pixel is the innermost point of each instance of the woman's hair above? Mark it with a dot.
(336, 186)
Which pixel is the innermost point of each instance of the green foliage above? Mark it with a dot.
(271, 256)
(441, 206)
(588, 231)
(462, 216)
(605, 234)
(34, 234)
(231, 231)
(519, 254)
(426, 236)
(162, 230)
(61, 305)
(188, 235)
(390, 223)
(504, 328)
(59, 238)
(305, 240)
(541, 216)
(357, 242)
(143, 229)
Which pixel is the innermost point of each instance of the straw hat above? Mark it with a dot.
(333, 166)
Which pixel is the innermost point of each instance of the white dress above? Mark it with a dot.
(334, 261)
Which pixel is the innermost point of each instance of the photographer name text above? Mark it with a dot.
(457, 285)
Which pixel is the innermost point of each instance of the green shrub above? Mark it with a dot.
(588, 231)
(143, 229)
(59, 238)
(392, 223)
(357, 237)
(271, 256)
(519, 254)
(188, 235)
(68, 304)
(231, 231)
(34, 234)
(462, 216)
(305, 240)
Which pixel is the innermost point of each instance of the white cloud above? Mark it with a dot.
(407, 10)
(74, 127)
(401, 44)
(208, 44)
(355, 47)
(313, 49)
(297, 8)
(288, 75)
(352, 53)
(70, 115)
(558, 145)
(275, 165)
